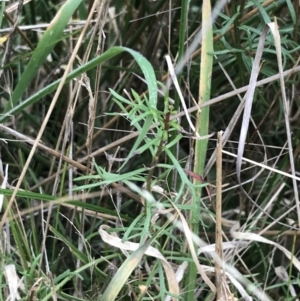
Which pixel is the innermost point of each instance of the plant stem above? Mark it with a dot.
(202, 129)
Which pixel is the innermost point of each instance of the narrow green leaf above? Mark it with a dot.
(112, 52)
(49, 198)
(119, 97)
(141, 137)
(123, 273)
(291, 10)
(50, 38)
(80, 255)
(262, 11)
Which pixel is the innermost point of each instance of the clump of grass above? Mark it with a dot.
(109, 187)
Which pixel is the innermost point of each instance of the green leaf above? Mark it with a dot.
(49, 198)
(75, 251)
(262, 11)
(123, 273)
(141, 137)
(112, 52)
(120, 97)
(291, 10)
(50, 38)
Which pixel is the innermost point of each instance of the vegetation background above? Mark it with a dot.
(109, 118)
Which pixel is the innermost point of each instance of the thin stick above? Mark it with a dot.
(219, 243)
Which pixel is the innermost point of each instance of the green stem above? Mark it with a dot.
(202, 129)
(182, 38)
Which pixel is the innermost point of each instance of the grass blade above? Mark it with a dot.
(51, 37)
(249, 101)
(123, 273)
(112, 52)
(202, 129)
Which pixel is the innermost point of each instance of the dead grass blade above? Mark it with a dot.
(283, 275)
(4, 179)
(275, 31)
(115, 241)
(176, 84)
(220, 280)
(123, 273)
(14, 282)
(258, 238)
(229, 129)
(188, 234)
(249, 100)
(263, 166)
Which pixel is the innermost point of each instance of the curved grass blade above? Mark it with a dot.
(50, 38)
(249, 101)
(123, 273)
(112, 52)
